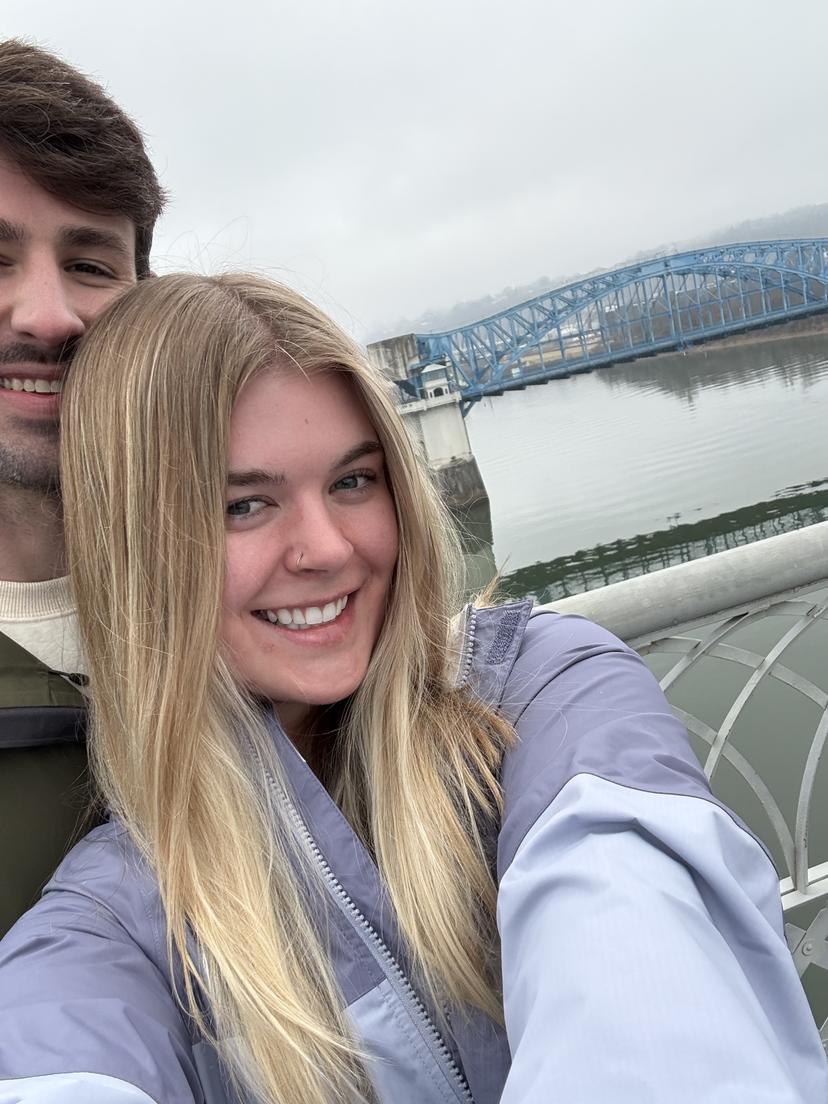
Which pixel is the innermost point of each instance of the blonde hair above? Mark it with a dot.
(179, 749)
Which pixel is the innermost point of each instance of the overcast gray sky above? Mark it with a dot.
(387, 156)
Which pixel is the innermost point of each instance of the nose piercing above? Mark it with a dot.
(299, 560)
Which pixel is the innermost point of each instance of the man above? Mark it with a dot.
(78, 203)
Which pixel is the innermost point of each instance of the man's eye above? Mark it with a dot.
(245, 507)
(90, 268)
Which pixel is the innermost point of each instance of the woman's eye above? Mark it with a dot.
(355, 481)
(245, 507)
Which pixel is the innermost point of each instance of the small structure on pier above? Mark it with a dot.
(430, 405)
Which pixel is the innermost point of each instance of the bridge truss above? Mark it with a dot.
(655, 306)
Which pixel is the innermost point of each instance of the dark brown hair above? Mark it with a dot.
(64, 132)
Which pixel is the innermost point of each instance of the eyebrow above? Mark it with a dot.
(72, 237)
(90, 237)
(364, 448)
(11, 233)
(254, 477)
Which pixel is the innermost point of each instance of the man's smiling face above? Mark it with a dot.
(59, 267)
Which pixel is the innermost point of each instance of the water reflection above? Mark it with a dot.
(608, 460)
(791, 361)
(645, 552)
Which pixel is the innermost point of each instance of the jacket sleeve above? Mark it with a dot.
(87, 1015)
(642, 946)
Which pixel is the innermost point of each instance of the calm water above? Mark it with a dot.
(603, 476)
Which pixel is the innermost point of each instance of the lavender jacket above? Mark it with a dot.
(642, 947)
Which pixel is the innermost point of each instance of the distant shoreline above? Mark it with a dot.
(798, 327)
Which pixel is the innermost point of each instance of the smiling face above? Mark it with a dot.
(311, 541)
(59, 267)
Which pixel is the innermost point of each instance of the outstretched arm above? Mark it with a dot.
(643, 954)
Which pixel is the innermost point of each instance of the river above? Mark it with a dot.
(605, 475)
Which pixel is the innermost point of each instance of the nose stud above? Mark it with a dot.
(299, 560)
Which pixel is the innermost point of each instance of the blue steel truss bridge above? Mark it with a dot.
(667, 303)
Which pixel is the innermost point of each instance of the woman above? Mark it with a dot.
(328, 796)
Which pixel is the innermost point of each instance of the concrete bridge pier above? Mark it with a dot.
(431, 410)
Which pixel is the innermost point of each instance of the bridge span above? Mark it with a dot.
(663, 304)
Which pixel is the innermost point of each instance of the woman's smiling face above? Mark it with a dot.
(311, 540)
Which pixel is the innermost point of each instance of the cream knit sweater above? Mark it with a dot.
(41, 618)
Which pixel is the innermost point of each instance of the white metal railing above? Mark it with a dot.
(687, 616)
(724, 585)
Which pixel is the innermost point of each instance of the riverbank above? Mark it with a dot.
(811, 326)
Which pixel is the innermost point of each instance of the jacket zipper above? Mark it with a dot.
(467, 651)
(391, 968)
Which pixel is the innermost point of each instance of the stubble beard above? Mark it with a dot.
(33, 469)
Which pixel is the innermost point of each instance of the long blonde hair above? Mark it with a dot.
(181, 753)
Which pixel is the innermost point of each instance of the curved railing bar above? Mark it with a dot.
(750, 686)
(743, 658)
(753, 779)
(803, 805)
(798, 682)
(702, 648)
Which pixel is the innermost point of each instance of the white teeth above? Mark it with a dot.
(305, 618)
(39, 386)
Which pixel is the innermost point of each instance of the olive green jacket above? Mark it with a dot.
(45, 800)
